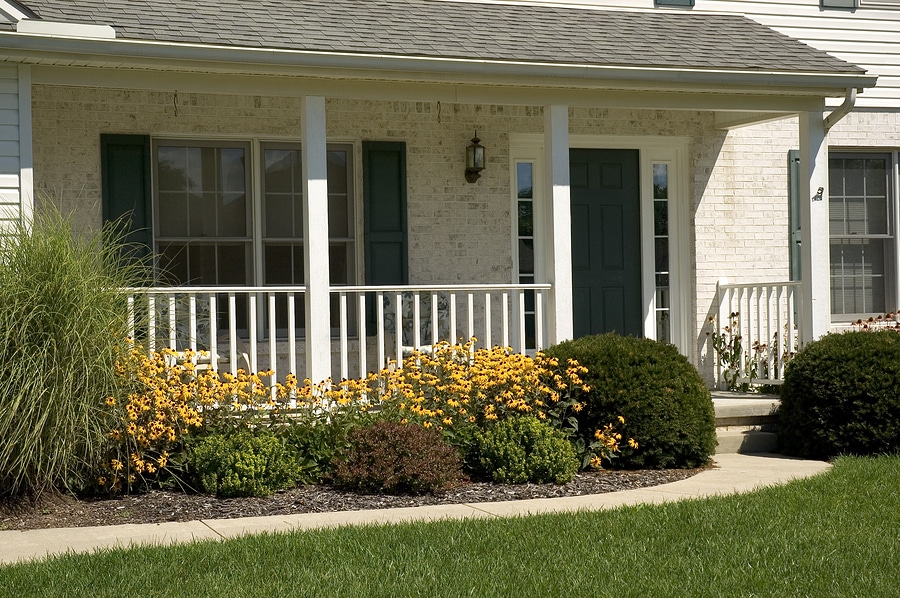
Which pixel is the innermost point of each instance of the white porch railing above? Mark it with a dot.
(258, 328)
(764, 319)
(391, 320)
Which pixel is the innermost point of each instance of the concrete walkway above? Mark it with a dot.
(733, 473)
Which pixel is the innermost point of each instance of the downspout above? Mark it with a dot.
(842, 110)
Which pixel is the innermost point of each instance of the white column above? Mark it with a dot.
(559, 223)
(315, 239)
(815, 318)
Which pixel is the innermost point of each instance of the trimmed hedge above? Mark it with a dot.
(249, 463)
(667, 408)
(524, 449)
(841, 395)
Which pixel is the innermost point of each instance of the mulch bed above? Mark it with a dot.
(157, 506)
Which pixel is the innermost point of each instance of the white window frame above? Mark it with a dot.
(255, 146)
(892, 261)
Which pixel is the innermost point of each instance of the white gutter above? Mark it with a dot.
(138, 52)
(842, 110)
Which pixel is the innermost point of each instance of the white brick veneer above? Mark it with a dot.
(460, 232)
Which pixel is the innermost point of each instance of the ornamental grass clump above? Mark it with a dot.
(63, 323)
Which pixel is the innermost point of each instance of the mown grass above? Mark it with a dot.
(836, 534)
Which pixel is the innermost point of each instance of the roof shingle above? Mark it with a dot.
(441, 29)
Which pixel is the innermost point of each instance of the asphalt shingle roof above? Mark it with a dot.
(438, 28)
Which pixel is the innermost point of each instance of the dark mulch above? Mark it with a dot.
(158, 506)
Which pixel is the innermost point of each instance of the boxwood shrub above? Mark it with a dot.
(841, 394)
(524, 449)
(667, 408)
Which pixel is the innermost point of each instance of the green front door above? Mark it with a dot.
(606, 241)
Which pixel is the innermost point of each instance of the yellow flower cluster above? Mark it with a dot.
(606, 444)
(458, 385)
(158, 409)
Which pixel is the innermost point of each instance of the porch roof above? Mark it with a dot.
(416, 35)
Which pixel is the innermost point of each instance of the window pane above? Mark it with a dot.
(279, 216)
(232, 264)
(524, 180)
(173, 221)
(662, 254)
(282, 170)
(660, 181)
(526, 219)
(858, 276)
(660, 218)
(339, 263)
(337, 171)
(338, 215)
(526, 256)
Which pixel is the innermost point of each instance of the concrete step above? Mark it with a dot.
(744, 440)
(743, 409)
(745, 423)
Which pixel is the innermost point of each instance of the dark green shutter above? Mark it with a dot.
(794, 213)
(125, 169)
(384, 199)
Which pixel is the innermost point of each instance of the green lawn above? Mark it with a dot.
(837, 534)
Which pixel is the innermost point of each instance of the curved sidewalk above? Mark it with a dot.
(733, 473)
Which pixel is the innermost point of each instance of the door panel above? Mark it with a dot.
(606, 242)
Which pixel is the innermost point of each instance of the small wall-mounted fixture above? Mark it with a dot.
(818, 195)
(474, 159)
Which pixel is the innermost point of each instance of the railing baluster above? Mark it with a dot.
(342, 309)
(213, 334)
(232, 332)
(487, 320)
(539, 320)
(192, 321)
(361, 324)
(151, 324)
(292, 332)
(398, 326)
(520, 297)
(454, 337)
(131, 316)
(254, 351)
(379, 324)
(434, 319)
(273, 341)
(504, 318)
(173, 344)
(417, 338)
(471, 309)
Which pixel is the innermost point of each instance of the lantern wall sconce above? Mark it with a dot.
(474, 159)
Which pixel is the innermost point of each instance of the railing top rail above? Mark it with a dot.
(201, 290)
(749, 285)
(440, 287)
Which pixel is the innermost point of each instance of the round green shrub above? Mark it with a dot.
(841, 395)
(394, 458)
(667, 408)
(243, 464)
(524, 449)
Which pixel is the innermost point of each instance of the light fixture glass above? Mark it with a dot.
(474, 159)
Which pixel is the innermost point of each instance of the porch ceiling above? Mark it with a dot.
(437, 42)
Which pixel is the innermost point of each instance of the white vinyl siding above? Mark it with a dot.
(11, 161)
